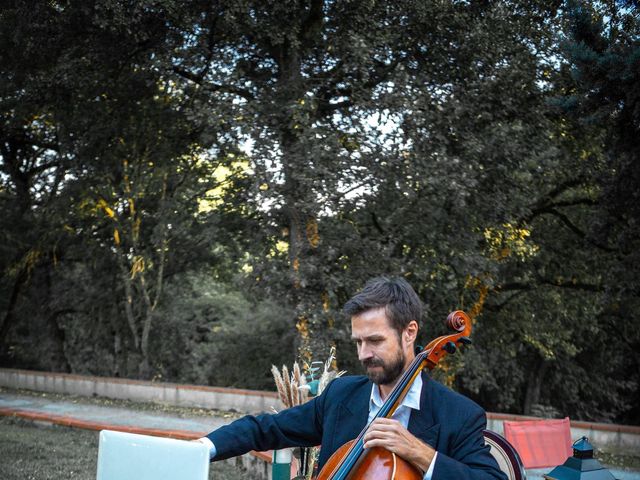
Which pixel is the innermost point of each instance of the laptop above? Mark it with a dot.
(129, 456)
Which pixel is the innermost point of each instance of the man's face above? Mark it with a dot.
(380, 349)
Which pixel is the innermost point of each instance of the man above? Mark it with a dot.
(435, 429)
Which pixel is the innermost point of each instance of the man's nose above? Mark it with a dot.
(364, 352)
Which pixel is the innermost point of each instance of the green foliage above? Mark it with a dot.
(214, 336)
(191, 191)
(603, 49)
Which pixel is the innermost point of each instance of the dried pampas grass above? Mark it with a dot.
(327, 373)
(292, 388)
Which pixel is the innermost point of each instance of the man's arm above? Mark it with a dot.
(469, 458)
(300, 426)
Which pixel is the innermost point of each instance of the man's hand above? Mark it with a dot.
(391, 435)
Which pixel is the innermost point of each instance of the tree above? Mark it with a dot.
(97, 145)
(34, 161)
(603, 48)
(161, 155)
(305, 78)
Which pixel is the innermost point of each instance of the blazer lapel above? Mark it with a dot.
(353, 413)
(421, 422)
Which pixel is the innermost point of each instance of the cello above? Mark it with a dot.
(352, 461)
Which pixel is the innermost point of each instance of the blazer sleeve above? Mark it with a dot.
(299, 426)
(469, 457)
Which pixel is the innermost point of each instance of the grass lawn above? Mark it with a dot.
(29, 451)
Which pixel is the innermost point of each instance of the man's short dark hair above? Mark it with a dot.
(394, 294)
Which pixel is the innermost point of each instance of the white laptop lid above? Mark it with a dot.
(128, 456)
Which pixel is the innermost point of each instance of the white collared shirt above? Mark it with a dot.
(402, 414)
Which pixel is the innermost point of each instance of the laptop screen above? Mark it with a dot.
(128, 456)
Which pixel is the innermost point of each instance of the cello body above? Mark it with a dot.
(378, 464)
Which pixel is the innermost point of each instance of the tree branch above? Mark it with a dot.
(312, 24)
(573, 285)
(548, 207)
(565, 220)
(523, 287)
(212, 87)
(199, 77)
(499, 306)
(513, 286)
(380, 73)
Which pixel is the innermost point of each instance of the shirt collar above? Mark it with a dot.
(411, 399)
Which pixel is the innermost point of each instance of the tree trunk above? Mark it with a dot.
(300, 206)
(8, 318)
(21, 183)
(149, 303)
(117, 350)
(59, 335)
(128, 304)
(59, 338)
(534, 385)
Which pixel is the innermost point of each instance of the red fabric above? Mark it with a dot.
(540, 443)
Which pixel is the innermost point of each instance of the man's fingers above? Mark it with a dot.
(385, 425)
(384, 433)
(385, 421)
(389, 434)
(370, 435)
(387, 441)
(377, 442)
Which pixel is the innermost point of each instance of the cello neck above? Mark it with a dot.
(401, 388)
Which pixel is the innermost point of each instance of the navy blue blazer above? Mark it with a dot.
(449, 422)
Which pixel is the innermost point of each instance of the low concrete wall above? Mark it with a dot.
(621, 439)
(229, 399)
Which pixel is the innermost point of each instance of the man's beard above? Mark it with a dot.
(389, 373)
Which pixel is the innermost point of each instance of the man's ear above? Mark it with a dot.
(410, 332)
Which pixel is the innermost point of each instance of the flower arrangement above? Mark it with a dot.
(295, 389)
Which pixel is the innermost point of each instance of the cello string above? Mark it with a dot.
(357, 448)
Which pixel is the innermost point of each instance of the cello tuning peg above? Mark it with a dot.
(465, 340)
(450, 347)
